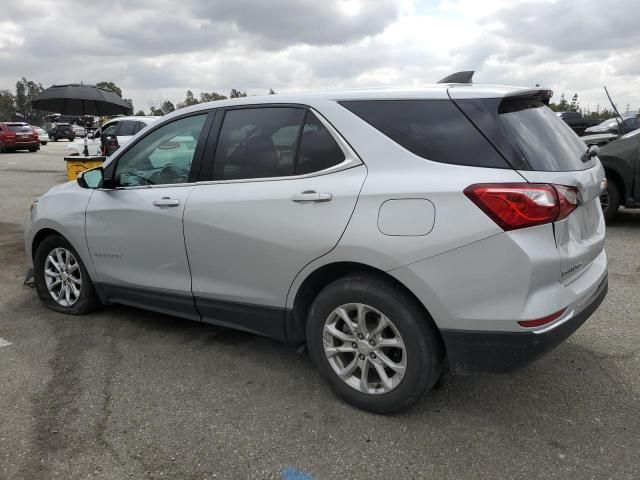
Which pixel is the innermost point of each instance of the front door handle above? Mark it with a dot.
(166, 202)
(311, 196)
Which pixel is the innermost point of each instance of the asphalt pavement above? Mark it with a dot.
(124, 393)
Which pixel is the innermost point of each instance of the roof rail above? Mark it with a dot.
(459, 77)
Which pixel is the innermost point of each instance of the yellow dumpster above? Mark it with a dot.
(76, 165)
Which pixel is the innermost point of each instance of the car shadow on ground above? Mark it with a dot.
(559, 385)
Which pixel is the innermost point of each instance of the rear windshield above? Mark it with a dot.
(18, 128)
(433, 129)
(545, 141)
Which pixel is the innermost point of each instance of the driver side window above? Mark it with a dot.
(163, 156)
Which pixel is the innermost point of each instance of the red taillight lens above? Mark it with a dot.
(538, 322)
(567, 199)
(521, 205)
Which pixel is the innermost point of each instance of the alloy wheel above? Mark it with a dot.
(364, 348)
(63, 277)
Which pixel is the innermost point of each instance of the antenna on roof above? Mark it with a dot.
(459, 77)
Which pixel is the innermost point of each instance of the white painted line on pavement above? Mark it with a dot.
(4, 343)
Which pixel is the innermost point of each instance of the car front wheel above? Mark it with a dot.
(61, 279)
(374, 343)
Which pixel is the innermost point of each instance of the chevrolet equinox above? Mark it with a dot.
(395, 231)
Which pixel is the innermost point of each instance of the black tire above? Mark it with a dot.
(610, 208)
(53, 138)
(43, 143)
(3, 149)
(87, 300)
(33, 149)
(423, 344)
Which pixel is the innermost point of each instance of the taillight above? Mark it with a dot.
(521, 205)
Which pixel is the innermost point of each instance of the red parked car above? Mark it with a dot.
(18, 136)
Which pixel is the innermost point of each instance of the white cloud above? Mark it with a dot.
(159, 49)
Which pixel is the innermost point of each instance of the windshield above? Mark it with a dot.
(545, 141)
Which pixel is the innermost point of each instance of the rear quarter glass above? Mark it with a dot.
(432, 129)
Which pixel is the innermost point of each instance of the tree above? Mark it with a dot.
(140, 113)
(112, 87)
(272, 91)
(26, 90)
(237, 93)
(563, 105)
(211, 97)
(189, 100)
(167, 107)
(7, 105)
(574, 106)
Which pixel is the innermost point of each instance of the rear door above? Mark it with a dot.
(282, 188)
(552, 153)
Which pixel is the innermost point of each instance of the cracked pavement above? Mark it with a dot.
(124, 393)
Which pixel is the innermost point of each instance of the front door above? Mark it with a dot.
(135, 233)
(282, 193)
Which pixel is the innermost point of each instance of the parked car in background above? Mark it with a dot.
(357, 221)
(59, 131)
(576, 121)
(79, 131)
(43, 136)
(621, 161)
(629, 123)
(120, 129)
(18, 136)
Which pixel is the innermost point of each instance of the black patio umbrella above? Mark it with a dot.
(78, 99)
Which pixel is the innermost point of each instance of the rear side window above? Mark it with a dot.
(546, 142)
(126, 128)
(433, 129)
(257, 143)
(318, 149)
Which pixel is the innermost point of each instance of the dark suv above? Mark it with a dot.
(57, 131)
(576, 121)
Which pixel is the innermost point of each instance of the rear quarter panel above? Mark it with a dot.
(395, 173)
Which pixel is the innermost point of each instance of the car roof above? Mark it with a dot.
(443, 91)
(146, 119)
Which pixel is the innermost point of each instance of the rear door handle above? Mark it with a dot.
(166, 202)
(311, 196)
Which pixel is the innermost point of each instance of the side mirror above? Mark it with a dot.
(594, 151)
(93, 178)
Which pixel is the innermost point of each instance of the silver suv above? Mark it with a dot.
(395, 231)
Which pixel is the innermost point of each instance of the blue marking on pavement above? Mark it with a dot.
(290, 473)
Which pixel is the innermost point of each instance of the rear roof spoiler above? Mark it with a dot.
(542, 94)
(459, 77)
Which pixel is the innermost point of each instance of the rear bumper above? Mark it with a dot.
(21, 143)
(477, 352)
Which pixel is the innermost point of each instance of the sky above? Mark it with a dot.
(157, 49)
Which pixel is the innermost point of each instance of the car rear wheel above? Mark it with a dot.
(61, 279)
(33, 149)
(610, 201)
(54, 138)
(43, 143)
(373, 343)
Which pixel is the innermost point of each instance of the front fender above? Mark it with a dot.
(62, 210)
